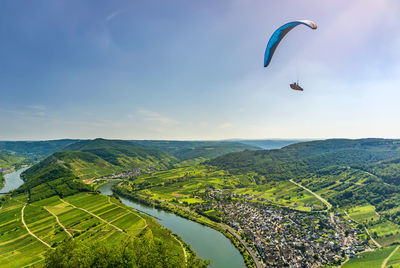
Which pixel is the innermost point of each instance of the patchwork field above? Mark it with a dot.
(186, 185)
(27, 231)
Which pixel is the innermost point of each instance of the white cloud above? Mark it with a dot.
(38, 107)
(113, 15)
(156, 117)
(225, 125)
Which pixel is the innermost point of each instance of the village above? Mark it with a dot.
(285, 237)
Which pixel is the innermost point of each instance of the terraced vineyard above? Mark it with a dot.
(29, 230)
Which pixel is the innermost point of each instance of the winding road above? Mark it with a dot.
(314, 194)
(366, 229)
(58, 221)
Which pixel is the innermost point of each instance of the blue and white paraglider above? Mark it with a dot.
(276, 38)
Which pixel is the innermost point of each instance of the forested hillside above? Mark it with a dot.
(184, 150)
(34, 150)
(304, 158)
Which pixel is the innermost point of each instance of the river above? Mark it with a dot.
(13, 180)
(208, 243)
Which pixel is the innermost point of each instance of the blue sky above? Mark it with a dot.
(194, 69)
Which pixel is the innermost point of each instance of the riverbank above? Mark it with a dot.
(12, 181)
(193, 216)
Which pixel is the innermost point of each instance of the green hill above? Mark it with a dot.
(303, 158)
(34, 150)
(360, 177)
(62, 173)
(124, 154)
(9, 161)
(55, 209)
(185, 150)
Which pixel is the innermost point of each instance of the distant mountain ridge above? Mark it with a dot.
(184, 150)
(268, 144)
(34, 150)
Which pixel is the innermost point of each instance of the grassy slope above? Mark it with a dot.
(19, 248)
(124, 154)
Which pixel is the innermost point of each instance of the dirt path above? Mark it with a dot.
(183, 248)
(94, 215)
(366, 229)
(128, 210)
(388, 257)
(314, 194)
(373, 240)
(58, 221)
(29, 231)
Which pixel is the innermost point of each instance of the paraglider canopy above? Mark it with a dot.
(278, 35)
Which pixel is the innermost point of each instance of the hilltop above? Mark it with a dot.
(185, 150)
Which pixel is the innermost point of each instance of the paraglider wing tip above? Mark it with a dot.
(309, 23)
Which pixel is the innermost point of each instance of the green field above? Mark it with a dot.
(84, 216)
(373, 259)
(187, 186)
(363, 213)
(394, 261)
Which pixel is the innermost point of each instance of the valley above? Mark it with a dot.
(337, 197)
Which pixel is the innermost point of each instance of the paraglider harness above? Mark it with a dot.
(296, 86)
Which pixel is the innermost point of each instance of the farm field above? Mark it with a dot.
(373, 259)
(394, 260)
(186, 185)
(84, 216)
(363, 213)
(385, 232)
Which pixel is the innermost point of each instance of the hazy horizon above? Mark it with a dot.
(227, 140)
